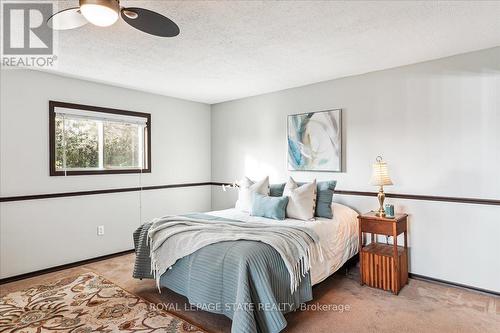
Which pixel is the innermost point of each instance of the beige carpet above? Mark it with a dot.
(340, 304)
(83, 304)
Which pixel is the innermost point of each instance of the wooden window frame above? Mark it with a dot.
(52, 139)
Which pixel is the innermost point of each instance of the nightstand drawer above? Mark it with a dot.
(377, 227)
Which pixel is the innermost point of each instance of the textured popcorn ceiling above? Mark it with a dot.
(233, 49)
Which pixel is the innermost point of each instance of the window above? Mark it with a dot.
(92, 140)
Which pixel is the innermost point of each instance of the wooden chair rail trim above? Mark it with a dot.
(94, 192)
(476, 201)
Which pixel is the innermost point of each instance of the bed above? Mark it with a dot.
(338, 235)
(245, 279)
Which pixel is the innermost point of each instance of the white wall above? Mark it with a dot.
(437, 124)
(44, 233)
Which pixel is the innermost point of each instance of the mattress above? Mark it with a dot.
(338, 236)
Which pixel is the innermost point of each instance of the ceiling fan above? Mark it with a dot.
(104, 13)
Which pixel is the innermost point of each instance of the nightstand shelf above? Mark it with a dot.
(383, 266)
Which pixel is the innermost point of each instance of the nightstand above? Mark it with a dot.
(383, 266)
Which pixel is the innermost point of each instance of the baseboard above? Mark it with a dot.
(454, 284)
(62, 267)
(355, 259)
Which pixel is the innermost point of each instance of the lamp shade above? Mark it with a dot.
(380, 174)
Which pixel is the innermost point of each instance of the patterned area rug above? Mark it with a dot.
(83, 304)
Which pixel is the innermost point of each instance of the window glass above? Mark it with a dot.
(121, 145)
(82, 143)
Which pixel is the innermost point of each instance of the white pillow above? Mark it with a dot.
(247, 190)
(301, 200)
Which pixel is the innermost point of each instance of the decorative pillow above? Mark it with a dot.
(270, 207)
(324, 198)
(301, 203)
(276, 190)
(246, 191)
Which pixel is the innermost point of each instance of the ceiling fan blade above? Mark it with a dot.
(150, 22)
(66, 19)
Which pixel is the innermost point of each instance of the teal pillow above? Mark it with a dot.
(324, 197)
(270, 207)
(276, 190)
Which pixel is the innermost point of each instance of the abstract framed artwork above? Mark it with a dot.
(315, 141)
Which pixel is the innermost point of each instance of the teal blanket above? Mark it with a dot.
(246, 281)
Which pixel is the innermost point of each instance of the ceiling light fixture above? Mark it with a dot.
(102, 13)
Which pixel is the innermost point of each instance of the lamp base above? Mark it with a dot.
(381, 198)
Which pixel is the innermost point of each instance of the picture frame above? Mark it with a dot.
(314, 141)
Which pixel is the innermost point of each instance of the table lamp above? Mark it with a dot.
(380, 177)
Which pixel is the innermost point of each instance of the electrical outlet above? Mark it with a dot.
(100, 230)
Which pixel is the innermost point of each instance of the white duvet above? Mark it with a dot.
(338, 236)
